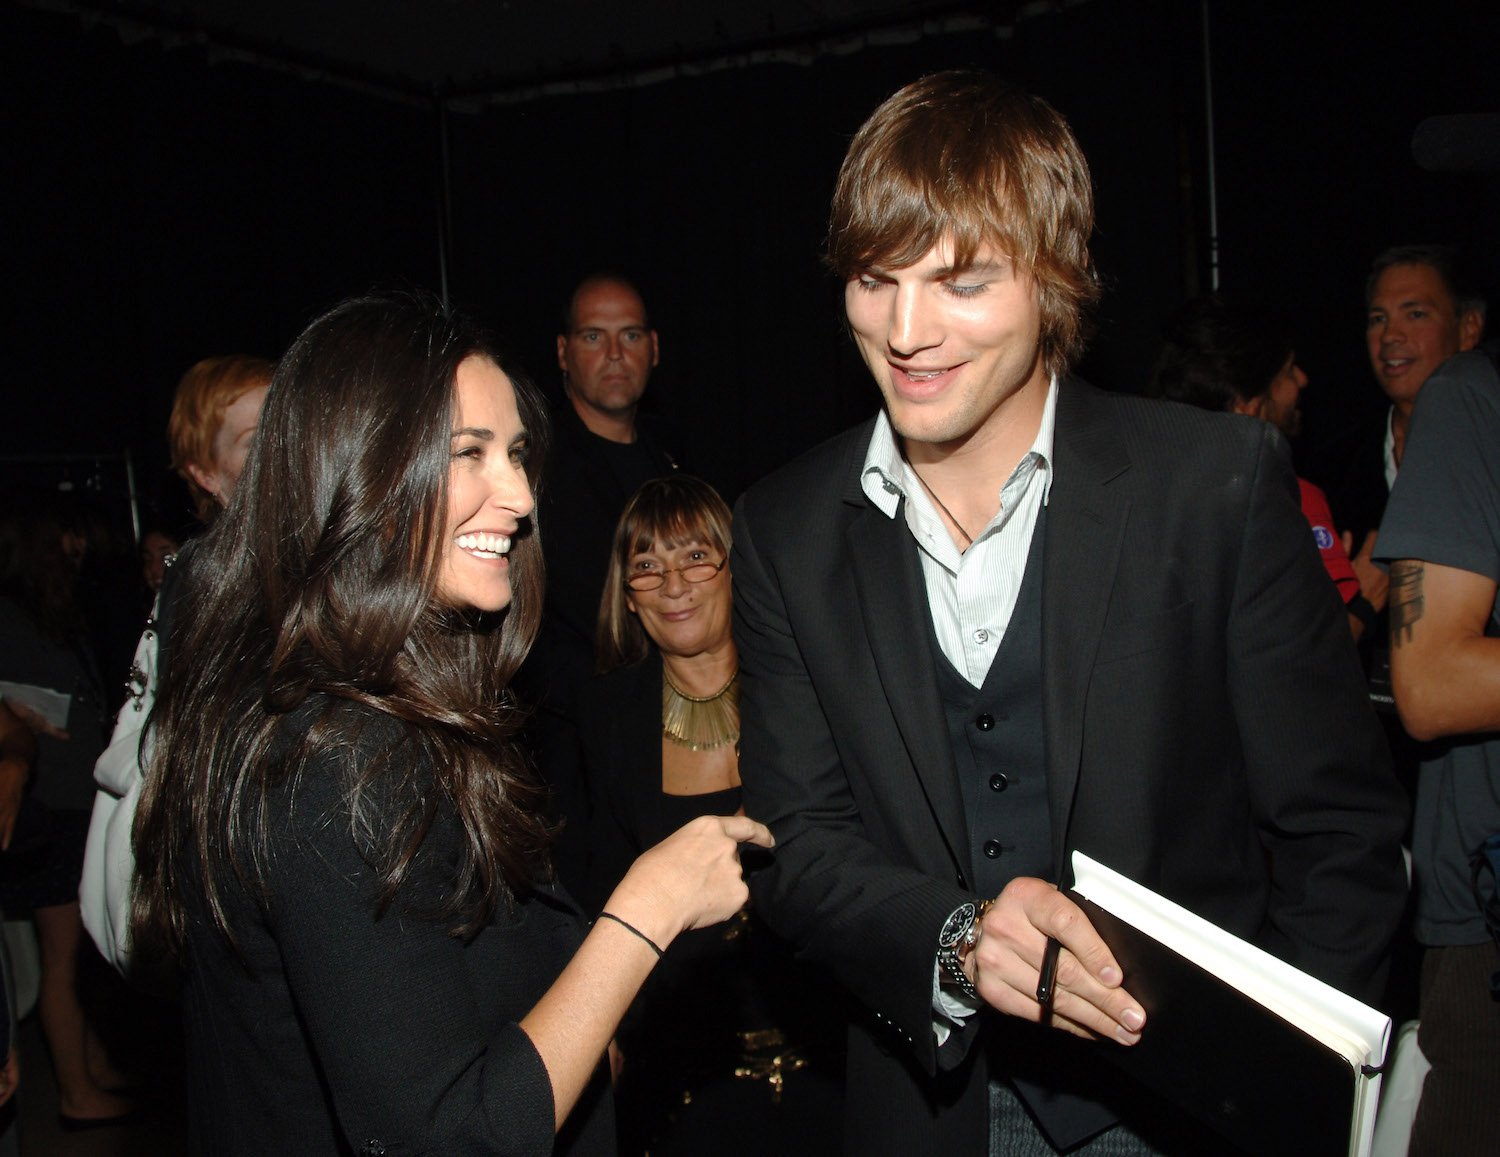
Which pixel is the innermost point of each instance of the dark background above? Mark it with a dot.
(165, 202)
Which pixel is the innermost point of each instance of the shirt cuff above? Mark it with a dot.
(950, 1008)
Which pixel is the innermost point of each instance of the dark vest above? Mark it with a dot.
(999, 745)
(999, 750)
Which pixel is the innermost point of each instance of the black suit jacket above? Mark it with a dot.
(1207, 729)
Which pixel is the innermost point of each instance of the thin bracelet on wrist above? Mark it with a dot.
(633, 930)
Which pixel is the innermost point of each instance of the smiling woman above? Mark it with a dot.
(341, 847)
(488, 492)
(731, 1048)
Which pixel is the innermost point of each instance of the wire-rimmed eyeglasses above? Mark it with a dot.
(698, 572)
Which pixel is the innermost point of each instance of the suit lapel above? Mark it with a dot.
(893, 599)
(1087, 514)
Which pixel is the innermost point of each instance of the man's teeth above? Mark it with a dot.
(923, 375)
(485, 545)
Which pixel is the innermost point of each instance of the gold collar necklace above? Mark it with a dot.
(700, 723)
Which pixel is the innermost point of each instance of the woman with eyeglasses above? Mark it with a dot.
(730, 1048)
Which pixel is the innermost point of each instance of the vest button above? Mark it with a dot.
(992, 849)
(985, 722)
(998, 782)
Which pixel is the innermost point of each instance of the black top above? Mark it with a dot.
(716, 983)
(338, 1029)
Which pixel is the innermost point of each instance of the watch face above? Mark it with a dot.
(958, 923)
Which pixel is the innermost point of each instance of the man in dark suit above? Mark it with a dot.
(1012, 617)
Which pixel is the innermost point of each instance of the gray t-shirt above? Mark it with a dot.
(1445, 509)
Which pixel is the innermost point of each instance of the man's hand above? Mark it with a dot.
(1374, 584)
(1006, 964)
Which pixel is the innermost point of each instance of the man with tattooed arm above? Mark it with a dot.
(1441, 533)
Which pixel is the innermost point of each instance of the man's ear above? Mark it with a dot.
(562, 352)
(655, 351)
(1470, 329)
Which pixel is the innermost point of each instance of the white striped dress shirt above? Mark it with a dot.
(972, 593)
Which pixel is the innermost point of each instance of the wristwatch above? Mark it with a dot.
(958, 935)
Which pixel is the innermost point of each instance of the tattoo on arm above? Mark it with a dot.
(1406, 599)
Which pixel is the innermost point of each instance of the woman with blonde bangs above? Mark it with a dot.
(730, 1047)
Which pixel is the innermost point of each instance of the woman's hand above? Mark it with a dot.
(690, 880)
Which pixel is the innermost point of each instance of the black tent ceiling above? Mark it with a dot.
(511, 50)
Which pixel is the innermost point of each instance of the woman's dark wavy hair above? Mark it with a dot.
(319, 580)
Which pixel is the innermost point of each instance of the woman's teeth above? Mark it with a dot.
(485, 545)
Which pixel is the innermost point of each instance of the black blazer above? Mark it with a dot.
(1207, 729)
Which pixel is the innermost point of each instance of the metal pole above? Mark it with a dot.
(133, 495)
(1213, 188)
(445, 198)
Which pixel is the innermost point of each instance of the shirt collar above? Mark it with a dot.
(887, 478)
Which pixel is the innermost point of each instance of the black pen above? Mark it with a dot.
(1046, 983)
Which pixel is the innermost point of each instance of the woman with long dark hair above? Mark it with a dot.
(337, 840)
